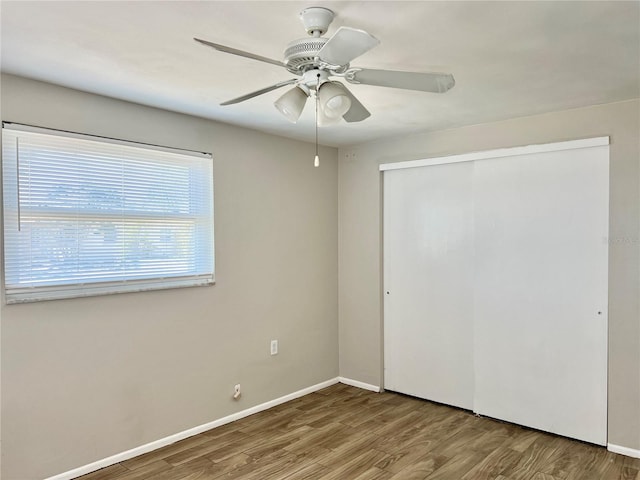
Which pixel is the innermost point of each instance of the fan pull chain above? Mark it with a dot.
(316, 161)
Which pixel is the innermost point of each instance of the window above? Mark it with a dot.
(88, 216)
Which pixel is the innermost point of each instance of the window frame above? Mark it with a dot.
(22, 292)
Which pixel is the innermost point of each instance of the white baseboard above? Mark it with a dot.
(356, 383)
(629, 452)
(134, 452)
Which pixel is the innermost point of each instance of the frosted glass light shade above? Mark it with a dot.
(324, 121)
(334, 100)
(291, 104)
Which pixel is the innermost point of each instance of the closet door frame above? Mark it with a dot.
(487, 155)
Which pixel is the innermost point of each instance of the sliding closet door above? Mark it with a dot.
(541, 223)
(428, 282)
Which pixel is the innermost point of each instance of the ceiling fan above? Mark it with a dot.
(315, 60)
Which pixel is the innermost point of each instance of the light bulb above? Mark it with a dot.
(316, 161)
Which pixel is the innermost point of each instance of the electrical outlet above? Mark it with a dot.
(236, 392)
(274, 347)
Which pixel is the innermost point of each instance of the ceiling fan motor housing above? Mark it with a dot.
(301, 54)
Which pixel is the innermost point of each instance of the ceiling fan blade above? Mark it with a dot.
(357, 112)
(259, 92)
(345, 45)
(241, 53)
(423, 82)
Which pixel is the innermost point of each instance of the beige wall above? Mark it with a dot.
(360, 248)
(83, 379)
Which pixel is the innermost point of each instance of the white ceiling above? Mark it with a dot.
(509, 59)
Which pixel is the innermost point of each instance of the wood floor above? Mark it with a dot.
(345, 433)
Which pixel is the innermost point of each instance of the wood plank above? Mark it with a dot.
(356, 466)
(456, 467)
(497, 462)
(421, 468)
(313, 470)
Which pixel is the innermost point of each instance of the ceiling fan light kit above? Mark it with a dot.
(315, 59)
(291, 103)
(333, 99)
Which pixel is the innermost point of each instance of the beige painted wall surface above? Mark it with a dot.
(83, 379)
(360, 233)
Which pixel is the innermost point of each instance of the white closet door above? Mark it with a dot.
(541, 223)
(428, 283)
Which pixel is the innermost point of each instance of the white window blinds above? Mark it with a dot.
(87, 216)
